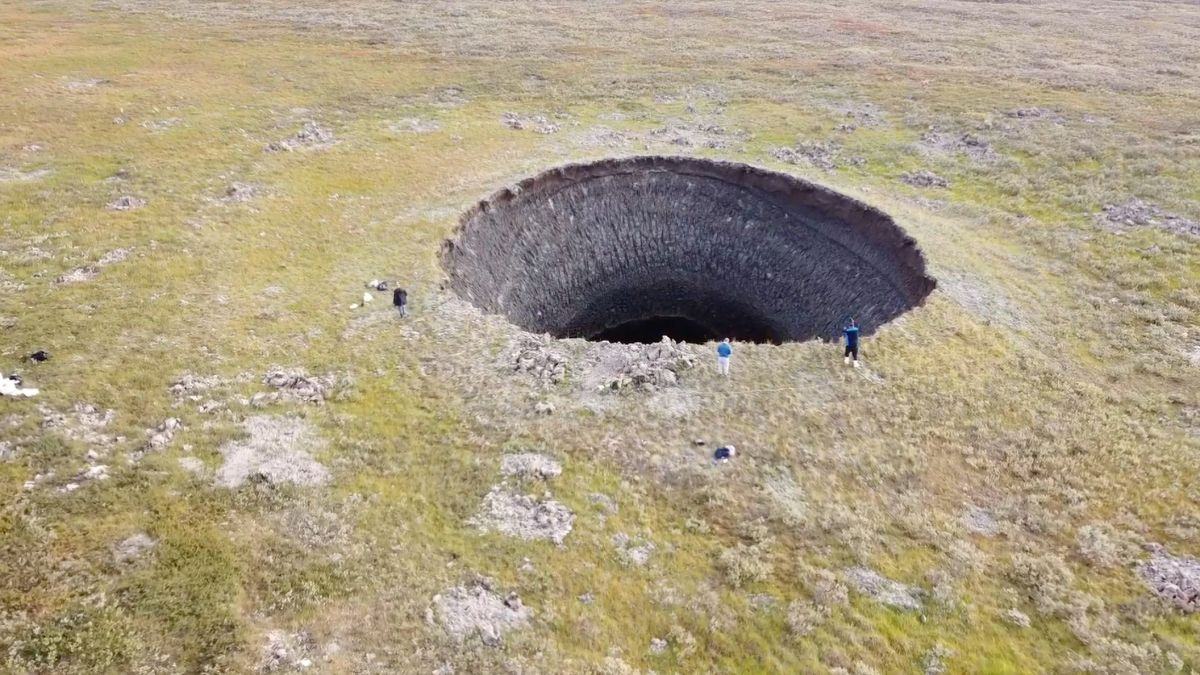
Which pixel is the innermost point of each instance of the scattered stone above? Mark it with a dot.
(39, 356)
(1175, 579)
(587, 598)
(476, 609)
(539, 123)
(1137, 213)
(414, 125)
(523, 516)
(530, 465)
(884, 590)
(657, 646)
(1017, 618)
(924, 178)
(311, 136)
(543, 408)
(276, 451)
(126, 203)
(133, 548)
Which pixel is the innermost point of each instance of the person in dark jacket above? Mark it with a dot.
(851, 335)
(400, 300)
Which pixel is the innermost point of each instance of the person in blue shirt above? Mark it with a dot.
(851, 335)
(724, 351)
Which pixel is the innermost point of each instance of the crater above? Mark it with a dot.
(634, 249)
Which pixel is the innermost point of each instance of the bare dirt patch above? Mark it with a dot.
(275, 451)
(530, 465)
(537, 123)
(824, 155)
(883, 590)
(478, 610)
(90, 272)
(414, 125)
(523, 516)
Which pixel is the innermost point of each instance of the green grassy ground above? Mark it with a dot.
(1051, 380)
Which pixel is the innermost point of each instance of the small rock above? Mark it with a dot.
(126, 203)
(658, 646)
(1017, 618)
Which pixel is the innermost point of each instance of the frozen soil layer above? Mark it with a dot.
(632, 249)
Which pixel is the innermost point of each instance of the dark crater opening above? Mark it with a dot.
(630, 250)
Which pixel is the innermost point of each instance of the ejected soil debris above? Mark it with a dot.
(883, 590)
(311, 136)
(650, 367)
(89, 272)
(937, 141)
(294, 384)
(823, 155)
(275, 451)
(285, 651)
(126, 203)
(1136, 213)
(697, 135)
(238, 193)
(536, 357)
(523, 516)
(923, 178)
(530, 465)
(539, 123)
(1175, 579)
(478, 610)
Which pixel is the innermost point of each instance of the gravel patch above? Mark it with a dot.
(275, 452)
(126, 203)
(539, 123)
(939, 142)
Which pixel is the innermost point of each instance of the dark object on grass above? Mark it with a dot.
(724, 453)
(39, 356)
